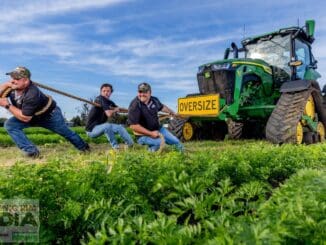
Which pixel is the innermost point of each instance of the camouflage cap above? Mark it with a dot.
(20, 72)
(144, 87)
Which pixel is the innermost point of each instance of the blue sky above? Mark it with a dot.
(77, 45)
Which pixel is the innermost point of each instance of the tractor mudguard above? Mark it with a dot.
(295, 86)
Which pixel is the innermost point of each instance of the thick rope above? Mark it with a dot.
(5, 93)
(46, 107)
(162, 144)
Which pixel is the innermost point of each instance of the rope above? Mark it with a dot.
(162, 144)
(66, 94)
(5, 93)
(46, 107)
(122, 110)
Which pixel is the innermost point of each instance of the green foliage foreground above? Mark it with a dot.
(216, 193)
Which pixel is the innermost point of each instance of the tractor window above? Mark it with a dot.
(274, 50)
(302, 53)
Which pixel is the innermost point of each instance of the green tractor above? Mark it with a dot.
(267, 89)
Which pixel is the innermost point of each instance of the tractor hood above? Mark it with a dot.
(231, 64)
(219, 76)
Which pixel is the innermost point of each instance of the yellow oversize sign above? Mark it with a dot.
(203, 105)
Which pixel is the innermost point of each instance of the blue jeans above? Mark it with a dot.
(154, 143)
(110, 129)
(54, 122)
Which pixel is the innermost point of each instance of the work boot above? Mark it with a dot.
(34, 154)
(86, 149)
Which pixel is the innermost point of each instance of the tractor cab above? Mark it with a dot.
(288, 49)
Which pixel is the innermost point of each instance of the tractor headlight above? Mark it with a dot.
(224, 66)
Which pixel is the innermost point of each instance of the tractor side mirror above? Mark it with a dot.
(310, 28)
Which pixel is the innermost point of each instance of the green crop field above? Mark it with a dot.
(231, 192)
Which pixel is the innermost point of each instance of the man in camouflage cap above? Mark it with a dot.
(30, 107)
(20, 72)
(144, 121)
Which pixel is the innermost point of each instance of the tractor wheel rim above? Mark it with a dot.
(309, 109)
(299, 133)
(187, 131)
(321, 131)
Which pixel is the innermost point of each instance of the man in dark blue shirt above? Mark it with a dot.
(97, 119)
(30, 107)
(144, 121)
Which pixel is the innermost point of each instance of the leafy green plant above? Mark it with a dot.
(230, 192)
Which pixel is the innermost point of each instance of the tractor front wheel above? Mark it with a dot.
(182, 128)
(234, 129)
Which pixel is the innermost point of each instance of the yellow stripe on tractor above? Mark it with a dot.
(265, 68)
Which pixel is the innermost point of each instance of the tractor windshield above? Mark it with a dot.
(274, 50)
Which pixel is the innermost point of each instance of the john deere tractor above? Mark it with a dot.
(267, 89)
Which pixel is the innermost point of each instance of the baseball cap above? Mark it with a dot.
(20, 72)
(144, 87)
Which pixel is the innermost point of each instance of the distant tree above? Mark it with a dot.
(76, 121)
(84, 111)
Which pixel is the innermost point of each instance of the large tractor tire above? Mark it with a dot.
(175, 126)
(182, 128)
(285, 124)
(234, 129)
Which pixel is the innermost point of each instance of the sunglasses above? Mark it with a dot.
(142, 92)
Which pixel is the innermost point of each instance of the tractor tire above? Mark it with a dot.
(284, 124)
(176, 125)
(234, 129)
(183, 129)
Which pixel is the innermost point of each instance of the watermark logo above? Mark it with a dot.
(19, 220)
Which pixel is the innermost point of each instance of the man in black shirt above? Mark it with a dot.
(97, 119)
(30, 107)
(144, 121)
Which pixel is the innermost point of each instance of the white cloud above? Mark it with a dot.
(22, 11)
(169, 46)
(32, 36)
